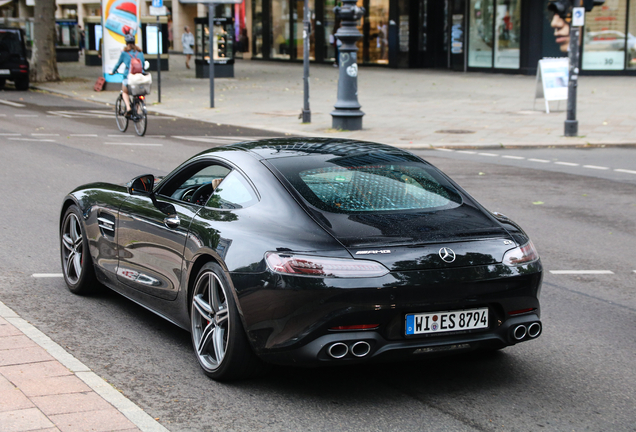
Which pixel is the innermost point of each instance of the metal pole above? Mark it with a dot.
(571, 123)
(210, 50)
(158, 59)
(306, 31)
(347, 114)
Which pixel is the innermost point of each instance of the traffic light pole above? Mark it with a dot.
(571, 123)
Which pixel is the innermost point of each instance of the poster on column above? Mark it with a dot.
(120, 17)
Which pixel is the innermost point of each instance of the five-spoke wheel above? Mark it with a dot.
(218, 337)
(77, 265)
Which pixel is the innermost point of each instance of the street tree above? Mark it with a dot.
(43, 60)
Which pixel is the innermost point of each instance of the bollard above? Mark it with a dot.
(347, 114)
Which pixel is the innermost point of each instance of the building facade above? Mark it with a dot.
(507, 36)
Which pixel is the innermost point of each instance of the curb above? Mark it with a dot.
(124, 405)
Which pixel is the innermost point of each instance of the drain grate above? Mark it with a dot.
(454, 131)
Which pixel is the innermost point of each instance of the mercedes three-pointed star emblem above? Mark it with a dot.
(447, 254)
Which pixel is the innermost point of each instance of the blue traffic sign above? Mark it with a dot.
(157, 3)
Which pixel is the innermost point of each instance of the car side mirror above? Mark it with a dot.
(142, 185)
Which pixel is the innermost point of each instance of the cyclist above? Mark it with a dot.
(130, 51)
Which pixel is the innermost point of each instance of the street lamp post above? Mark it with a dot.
(571, 127)
(306, 114)
(347, 114)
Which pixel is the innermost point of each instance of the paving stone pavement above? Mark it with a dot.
(414, 108)
(43, 388)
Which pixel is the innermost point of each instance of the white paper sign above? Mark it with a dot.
(552, 80)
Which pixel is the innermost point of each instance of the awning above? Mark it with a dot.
(4, 2)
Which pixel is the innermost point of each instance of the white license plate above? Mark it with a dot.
(5, 72)
(440, 322)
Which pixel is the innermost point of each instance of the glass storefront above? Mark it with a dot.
(508, 27)
(299, 16)
(281, 39)
(257, 28)
(480, 39)
(631, 37)
(604, 37)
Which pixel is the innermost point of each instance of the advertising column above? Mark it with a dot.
(121, 17)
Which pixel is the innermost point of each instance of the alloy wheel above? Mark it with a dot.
(72, 248)
(210, 320)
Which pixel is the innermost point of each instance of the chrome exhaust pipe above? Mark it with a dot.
(338, 350)
(520, 332)
(534, 329)
(360, 349)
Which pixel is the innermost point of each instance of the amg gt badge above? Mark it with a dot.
(447, 254)
(372, 252)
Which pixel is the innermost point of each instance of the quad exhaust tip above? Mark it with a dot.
(338, 350)
(360, 349)
(520, 332)
(534, 330)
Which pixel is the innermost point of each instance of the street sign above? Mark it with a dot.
(578, 17)
(157, 3)
(158, 11)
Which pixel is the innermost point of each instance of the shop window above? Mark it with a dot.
(604, 37)
(480, 38)
(329, 22)
(281, 41)
(379, 31)
(299, 16)
(631, 36)
(507, 26)
(257, 28)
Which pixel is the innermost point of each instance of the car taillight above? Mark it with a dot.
(315, 266)
(521, 255)
(24, 66)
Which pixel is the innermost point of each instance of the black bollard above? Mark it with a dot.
(347, 114)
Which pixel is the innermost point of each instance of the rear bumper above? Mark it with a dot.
(320, 352)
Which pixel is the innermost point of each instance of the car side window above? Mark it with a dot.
(195, 183)
(234, 192)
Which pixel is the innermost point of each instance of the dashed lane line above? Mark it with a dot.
(42, 135)
(26, 115)
(134, 144)
(47, 275)
(31, 139)
(581, 272)
(571, 164)
(84, 135)
(10, 134)
(13, 104)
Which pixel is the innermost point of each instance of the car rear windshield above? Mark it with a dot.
(368, 184)
(10, 42)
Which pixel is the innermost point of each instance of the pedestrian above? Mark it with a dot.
(82, 39)
(187, 40)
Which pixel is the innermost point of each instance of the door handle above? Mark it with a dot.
(172, 221)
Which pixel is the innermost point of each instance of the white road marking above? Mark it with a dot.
(134, 144)
(47, 275)
(513, 157)
(581, 272)
(595, 167)
(155, 136)
(446, 150)
(466, 152)
(566, 163)
(539, 160)
(26, 115)
(210, 139)
(625, 171)
(13, 104)
(35, 134)
(10, 134)
(31, 139)
(488, 154)
(83, 135)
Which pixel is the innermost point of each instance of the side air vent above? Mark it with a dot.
(106, 224)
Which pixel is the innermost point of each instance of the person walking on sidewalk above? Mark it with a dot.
(187, 40)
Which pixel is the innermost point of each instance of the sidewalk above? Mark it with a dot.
(44, 388)
(414, 108)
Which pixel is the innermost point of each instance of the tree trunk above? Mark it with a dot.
(43, 60)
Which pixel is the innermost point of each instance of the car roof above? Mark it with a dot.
(302, 147)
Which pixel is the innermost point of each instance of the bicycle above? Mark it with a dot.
(139, 115)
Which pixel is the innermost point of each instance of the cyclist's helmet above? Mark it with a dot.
(129, 38)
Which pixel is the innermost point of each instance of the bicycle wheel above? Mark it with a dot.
(141, 118)
(120, 114)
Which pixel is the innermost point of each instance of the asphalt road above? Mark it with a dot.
(579, 375)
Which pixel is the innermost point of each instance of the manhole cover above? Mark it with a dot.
(454, 131)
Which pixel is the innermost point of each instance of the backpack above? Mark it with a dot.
(135, 65)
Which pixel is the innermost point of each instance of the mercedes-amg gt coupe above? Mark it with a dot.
(307, 252)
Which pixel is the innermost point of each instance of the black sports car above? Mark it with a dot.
(307, 252)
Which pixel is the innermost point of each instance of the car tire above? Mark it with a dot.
(22, 84)
(218, 336)
(77, 264)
